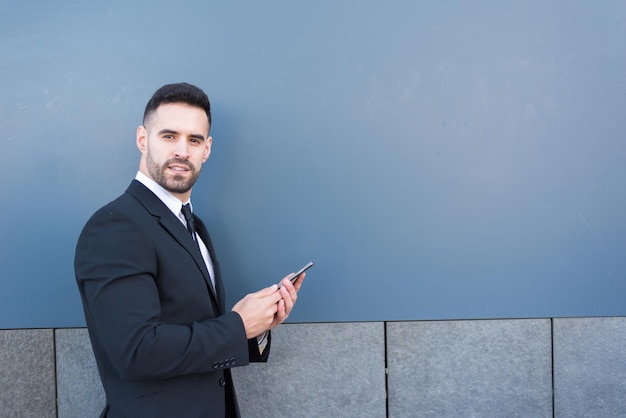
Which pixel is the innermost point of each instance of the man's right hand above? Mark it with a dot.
(257, 310)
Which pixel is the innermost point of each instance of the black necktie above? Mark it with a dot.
(189, 218)
(191, 226)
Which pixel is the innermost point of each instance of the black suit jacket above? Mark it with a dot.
(163, 342)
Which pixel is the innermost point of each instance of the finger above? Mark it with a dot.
(273, 298)
(286, 279)
(292, 289)
(298, 282)
(287, 303)
(280, 315)
(281, 312)
(267, 291)
(289, 295)
(271, 289)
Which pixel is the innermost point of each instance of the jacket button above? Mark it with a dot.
(222, 382)
(215, 365)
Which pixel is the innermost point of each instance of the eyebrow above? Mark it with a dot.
(171, 131)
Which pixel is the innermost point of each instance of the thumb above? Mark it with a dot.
(269, 290)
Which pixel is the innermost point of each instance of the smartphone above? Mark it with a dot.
(302, 270)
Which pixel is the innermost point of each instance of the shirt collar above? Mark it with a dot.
(168, 199)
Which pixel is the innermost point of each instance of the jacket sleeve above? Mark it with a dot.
(253, 348)
(117, 269)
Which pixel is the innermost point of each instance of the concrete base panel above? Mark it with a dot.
(80, 392)
(590, 367)
(497, 368)
(477, 368)
(27, 386)
(317, 370)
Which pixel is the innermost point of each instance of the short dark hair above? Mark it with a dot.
(179, 93)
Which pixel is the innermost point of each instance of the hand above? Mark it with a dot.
(258, 310)
(289, 295)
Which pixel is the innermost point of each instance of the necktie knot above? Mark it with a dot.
(186, 210)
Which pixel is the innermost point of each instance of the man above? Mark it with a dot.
(151, 286)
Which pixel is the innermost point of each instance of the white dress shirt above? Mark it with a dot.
(175, 206)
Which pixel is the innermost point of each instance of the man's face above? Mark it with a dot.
(174, 144)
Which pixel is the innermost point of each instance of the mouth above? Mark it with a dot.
(178, 168)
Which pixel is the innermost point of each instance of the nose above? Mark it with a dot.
(182, 150)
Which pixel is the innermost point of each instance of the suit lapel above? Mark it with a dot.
(178, 231)
(206, 238)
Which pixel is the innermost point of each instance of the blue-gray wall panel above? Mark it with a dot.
(499, 368)
(590, 367)
(467, 155)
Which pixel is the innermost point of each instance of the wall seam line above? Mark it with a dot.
(56, 376)
(552, 364)
(386, 370)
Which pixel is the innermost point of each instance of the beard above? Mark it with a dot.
(175, 183)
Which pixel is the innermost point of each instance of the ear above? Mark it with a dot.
(142, 139)
(207, 149)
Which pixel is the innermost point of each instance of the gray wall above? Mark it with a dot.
(571, 367)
